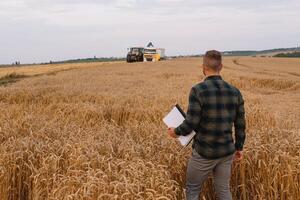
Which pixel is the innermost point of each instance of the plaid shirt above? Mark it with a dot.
(214, 107)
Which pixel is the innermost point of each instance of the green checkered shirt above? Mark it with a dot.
(214, 108)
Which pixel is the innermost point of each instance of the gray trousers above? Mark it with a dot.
(198, 170)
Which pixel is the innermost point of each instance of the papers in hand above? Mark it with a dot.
(173, 119)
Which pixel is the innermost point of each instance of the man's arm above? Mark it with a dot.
(193, 116)
(240, 124)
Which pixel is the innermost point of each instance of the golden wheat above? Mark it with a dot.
(96, 132)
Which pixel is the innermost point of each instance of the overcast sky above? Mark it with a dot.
(44, 30)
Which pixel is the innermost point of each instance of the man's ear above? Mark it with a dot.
(203, 70)
(221, 67)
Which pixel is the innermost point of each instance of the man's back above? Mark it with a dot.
(220, 107)
(214, 107)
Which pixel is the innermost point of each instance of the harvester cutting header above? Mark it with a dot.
(150, 53)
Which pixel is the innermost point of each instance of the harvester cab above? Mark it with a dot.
(154, 54)
(135, 54)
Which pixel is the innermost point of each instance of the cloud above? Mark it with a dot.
(37, 30)
(47, 9)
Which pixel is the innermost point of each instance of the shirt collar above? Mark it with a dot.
(213, 77)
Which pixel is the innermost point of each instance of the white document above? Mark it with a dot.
(173, 119)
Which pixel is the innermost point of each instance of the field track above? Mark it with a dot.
(94, 131)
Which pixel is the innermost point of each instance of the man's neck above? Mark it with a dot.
(212, 74)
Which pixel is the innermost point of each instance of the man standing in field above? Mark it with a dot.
(214, 107)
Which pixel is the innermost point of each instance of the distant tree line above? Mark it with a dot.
(295, 54)
(84, 60)
(255, 53)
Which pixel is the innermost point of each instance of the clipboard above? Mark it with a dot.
(173, 119)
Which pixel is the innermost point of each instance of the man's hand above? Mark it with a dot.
(172, 133)
(238, 156)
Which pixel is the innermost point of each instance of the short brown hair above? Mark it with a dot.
(212, 59)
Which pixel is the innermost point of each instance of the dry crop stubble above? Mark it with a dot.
(96, 132)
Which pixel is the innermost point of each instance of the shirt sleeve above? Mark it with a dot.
(193, 116)
(240, 124)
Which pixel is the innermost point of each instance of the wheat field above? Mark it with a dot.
(96, 131)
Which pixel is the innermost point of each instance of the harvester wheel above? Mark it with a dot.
(141, 58)
(128, 59)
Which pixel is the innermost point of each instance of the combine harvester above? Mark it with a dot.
(150, 53)
(153, 54)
